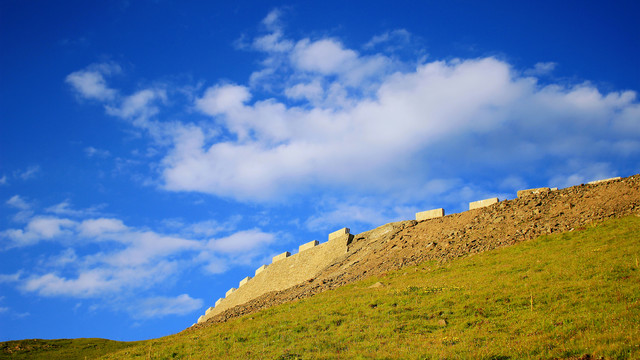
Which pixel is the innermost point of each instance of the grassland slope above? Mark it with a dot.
(396, 245)
(573, 295)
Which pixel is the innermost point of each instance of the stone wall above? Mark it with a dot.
(286, 271)
(429, 214)
(482, 203)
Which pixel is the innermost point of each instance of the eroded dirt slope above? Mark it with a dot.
(400, 244)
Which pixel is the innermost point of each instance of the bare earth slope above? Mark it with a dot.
(400, 244)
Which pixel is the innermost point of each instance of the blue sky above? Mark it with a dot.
(154, 153)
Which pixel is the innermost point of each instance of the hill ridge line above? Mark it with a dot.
(346, 257)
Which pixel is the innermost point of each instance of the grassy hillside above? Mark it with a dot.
(559, 296)
(60, 349)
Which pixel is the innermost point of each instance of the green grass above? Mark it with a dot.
(558, 296)
(60, 349)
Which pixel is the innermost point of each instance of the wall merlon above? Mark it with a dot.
(284, 255)
(308, 245)
(535, 191)
(482, 203)
(218, 302)
(554, 189)
(261, 269)
(229, 292)
(430, 214)
(244, 281)
(200, 319)
(339, 233)
(604, 180)
(208, 311)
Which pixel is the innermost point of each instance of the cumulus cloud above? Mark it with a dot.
(39, 228)
(101, 227)
(317, 116)
(90, 83)
(443, 115)
(138, 105)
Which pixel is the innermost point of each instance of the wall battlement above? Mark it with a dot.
(308, 245)
(288, 270)
(429, 214)
(284, 255)
(604, 180)
(483, 203)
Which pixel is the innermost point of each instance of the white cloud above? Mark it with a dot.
(65, 208)
(397, 38)
(101, 227)
(103, 257)
(68, 256)
(10, 278)
(541, 68)
(94, 152)
(3, 180)
(312, 92)
(139, 105)
(18, 202)
(223, 99)
(90, 83)
(272, 20)
(212, 227)
(335, 116)
(326, 56)
(28, 173)
(412, 117)
(160, 306)
(99, 281)
(38, 228)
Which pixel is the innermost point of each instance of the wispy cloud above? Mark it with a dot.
(28, 173)
(65, 208)
(104, 257)
(160, 306)
(541, 69)
(95, 152)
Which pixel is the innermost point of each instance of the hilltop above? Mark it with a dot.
(567, 289)
(396, 245)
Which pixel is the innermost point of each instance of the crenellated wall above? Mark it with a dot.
(288, 270)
